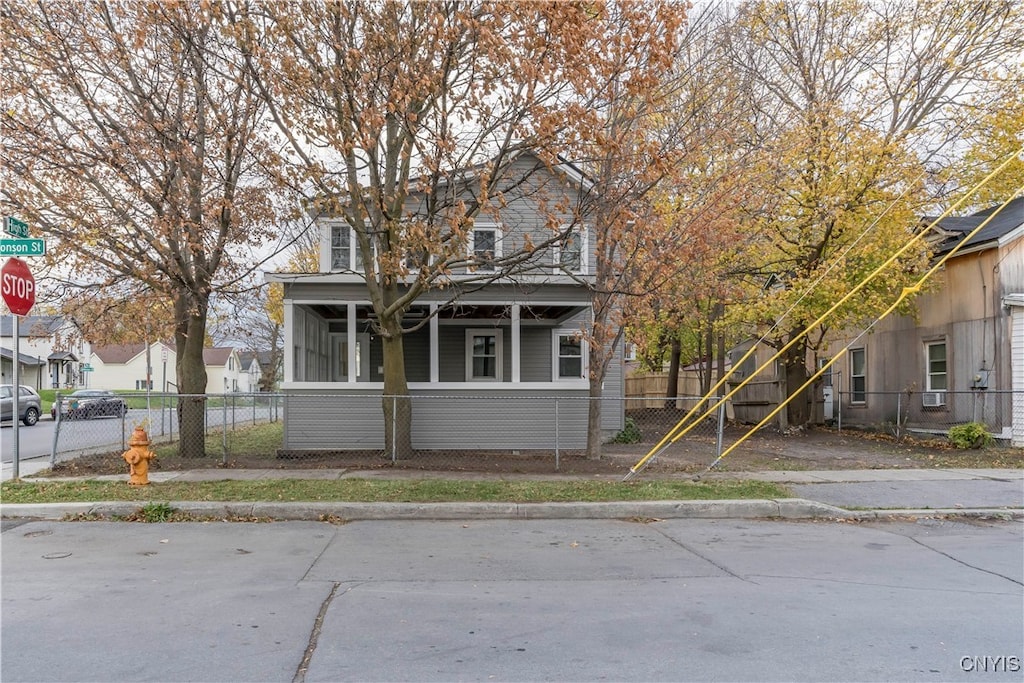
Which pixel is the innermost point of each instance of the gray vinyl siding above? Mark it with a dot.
(452, 354)
(416, 348)
(536, 352)
(318, 422)
(456, 420)
(613, 415)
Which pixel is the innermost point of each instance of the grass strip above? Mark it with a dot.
(399, 491)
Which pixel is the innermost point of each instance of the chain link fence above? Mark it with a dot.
(540, 434)
(101, 424)
(915, 413)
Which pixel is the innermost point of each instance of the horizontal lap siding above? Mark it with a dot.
(496, 424)
(333, 422)
(536, 351)
(453, 422)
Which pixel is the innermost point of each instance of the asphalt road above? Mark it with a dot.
(81, 436)
(513, 600)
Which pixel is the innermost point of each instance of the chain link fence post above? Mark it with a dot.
(557, 452)
(394, 429)
(721, 426)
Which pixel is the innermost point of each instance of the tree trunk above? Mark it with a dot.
(396, 402)
(798, 410)
(190, 369)
(672, 390)
(594, 436)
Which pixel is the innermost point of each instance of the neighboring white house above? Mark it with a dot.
(51, 349)
(122, 367)
(223, 370)
(252, 373)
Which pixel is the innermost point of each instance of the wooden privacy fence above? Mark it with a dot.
(648, 389)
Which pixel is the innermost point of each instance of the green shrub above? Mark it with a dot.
(970, 435)
(629, 434)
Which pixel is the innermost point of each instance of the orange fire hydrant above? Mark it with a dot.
(138, 457)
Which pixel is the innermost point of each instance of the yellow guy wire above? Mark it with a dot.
(672, 432)
(672, 436)
(912, 289)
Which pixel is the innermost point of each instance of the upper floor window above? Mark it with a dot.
(936, 378)
(858, 376)
(571, 253)
(486, 247)
(345, 251)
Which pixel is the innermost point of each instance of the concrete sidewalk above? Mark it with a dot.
(829, 494)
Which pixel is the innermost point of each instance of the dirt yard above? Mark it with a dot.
(814, 449)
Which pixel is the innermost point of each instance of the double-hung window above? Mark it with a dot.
(571, 253)
(484, 355)
(486, 248)
(569, 352)
(858, 376)
(345, 251)
(936, 378)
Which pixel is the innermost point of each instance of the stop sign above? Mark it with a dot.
(17, 286)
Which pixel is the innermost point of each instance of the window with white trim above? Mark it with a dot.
(345, 251)
(858, 376)
(570, 254)
(486, 247)
(935, 376)
(569, 356)
(483, 355)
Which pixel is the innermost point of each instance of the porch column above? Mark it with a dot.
(435, 363)
(516, 309)
(350, 333)
(289, 342)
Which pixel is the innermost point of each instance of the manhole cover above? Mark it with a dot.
(33, 534)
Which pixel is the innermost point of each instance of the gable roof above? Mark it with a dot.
(31, 325)
(218, 355)
(952, 229)
(118, 353)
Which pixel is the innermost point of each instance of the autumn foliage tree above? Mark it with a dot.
(132, 140)
(386, 104)
(850, 101)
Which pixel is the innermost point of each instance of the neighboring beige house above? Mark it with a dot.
(960, 359)
(51, 349)
(122, 367)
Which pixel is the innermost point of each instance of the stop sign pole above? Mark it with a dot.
(18, 288)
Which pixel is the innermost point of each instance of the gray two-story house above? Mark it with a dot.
(495, 359)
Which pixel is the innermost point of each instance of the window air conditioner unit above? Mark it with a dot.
(933, 399)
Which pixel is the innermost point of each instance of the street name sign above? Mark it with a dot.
(25, 247)
(14, 227)
(17, 286)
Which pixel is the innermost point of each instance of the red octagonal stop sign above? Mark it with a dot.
(17, 286)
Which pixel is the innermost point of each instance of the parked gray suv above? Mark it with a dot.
(29, 404)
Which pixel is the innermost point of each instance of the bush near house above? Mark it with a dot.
(970, 435)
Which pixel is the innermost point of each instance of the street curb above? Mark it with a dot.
(784, 508)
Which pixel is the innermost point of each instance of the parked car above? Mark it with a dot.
(87, 403)
(29, 404)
